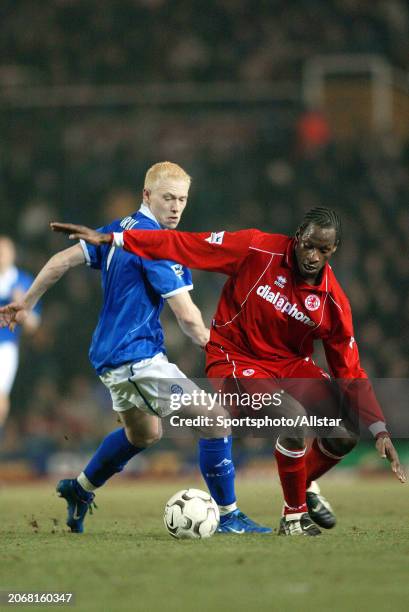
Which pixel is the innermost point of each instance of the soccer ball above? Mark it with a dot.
(191, 514)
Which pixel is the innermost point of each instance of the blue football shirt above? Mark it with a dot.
(134, 292)
(12, 282)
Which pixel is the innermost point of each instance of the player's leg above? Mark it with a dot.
(157, 384)
(9, 364)
(321, 397)
(141, 429)
(291, 465)
(330, 447)
(139, 432)
(323, 455)
(216, 463)
(290, 443)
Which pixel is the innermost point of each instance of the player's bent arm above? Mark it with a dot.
(342, 355)
(17, 313)
(53, 270)
(343, 360)
(189, 318)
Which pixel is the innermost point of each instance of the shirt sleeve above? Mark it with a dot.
(167, 277)
(343, 360)
(216, 251)
(93, 254)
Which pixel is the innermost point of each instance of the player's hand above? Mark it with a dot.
(386, 450)
(81, 232)
(13, 314)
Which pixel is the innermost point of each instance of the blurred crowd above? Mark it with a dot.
(71, 41)
(252, 167)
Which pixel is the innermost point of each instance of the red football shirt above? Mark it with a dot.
(266, 311)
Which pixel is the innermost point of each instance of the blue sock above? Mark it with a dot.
(111, 457)
(217, 469)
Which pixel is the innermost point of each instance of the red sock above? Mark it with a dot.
(318, 461)
(292, 472)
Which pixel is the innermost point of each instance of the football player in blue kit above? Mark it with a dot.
(128, 352)
(14, 282)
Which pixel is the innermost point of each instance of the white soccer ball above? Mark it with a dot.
(191, 514)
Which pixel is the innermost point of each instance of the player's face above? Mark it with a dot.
(313, 248)
(167, 201)
(7, 254)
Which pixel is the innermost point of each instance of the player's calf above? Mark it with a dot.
(323, 455)
(142, 430)
(340, 446)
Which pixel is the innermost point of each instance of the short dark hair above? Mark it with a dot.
(322, 217)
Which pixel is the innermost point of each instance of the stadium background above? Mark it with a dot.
(272, 111)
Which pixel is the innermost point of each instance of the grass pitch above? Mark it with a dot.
(126, 560)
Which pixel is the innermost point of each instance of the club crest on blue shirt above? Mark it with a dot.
(176, 389)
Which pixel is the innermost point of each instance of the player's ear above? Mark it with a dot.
(146, 194)
(334, 248)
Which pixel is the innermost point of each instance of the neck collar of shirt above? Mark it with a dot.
(289, 261)
(145, 210)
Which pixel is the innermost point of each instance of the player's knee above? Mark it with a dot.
(143, 439)
(291, 408)
(297, 443)
(340, 446)
(213, 433)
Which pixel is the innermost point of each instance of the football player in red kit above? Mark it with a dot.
(281, 296)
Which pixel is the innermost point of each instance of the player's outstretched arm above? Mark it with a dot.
(16, 313)
(386, 450)
(81, 232)
(216, 251)
(189, 318)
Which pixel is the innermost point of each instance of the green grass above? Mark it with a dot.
(126, 560)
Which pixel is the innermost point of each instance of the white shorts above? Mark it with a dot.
(147, 385)
(8, 366)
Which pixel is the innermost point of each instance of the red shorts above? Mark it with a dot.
(300, 377)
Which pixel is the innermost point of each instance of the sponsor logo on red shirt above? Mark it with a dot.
(281, 303)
